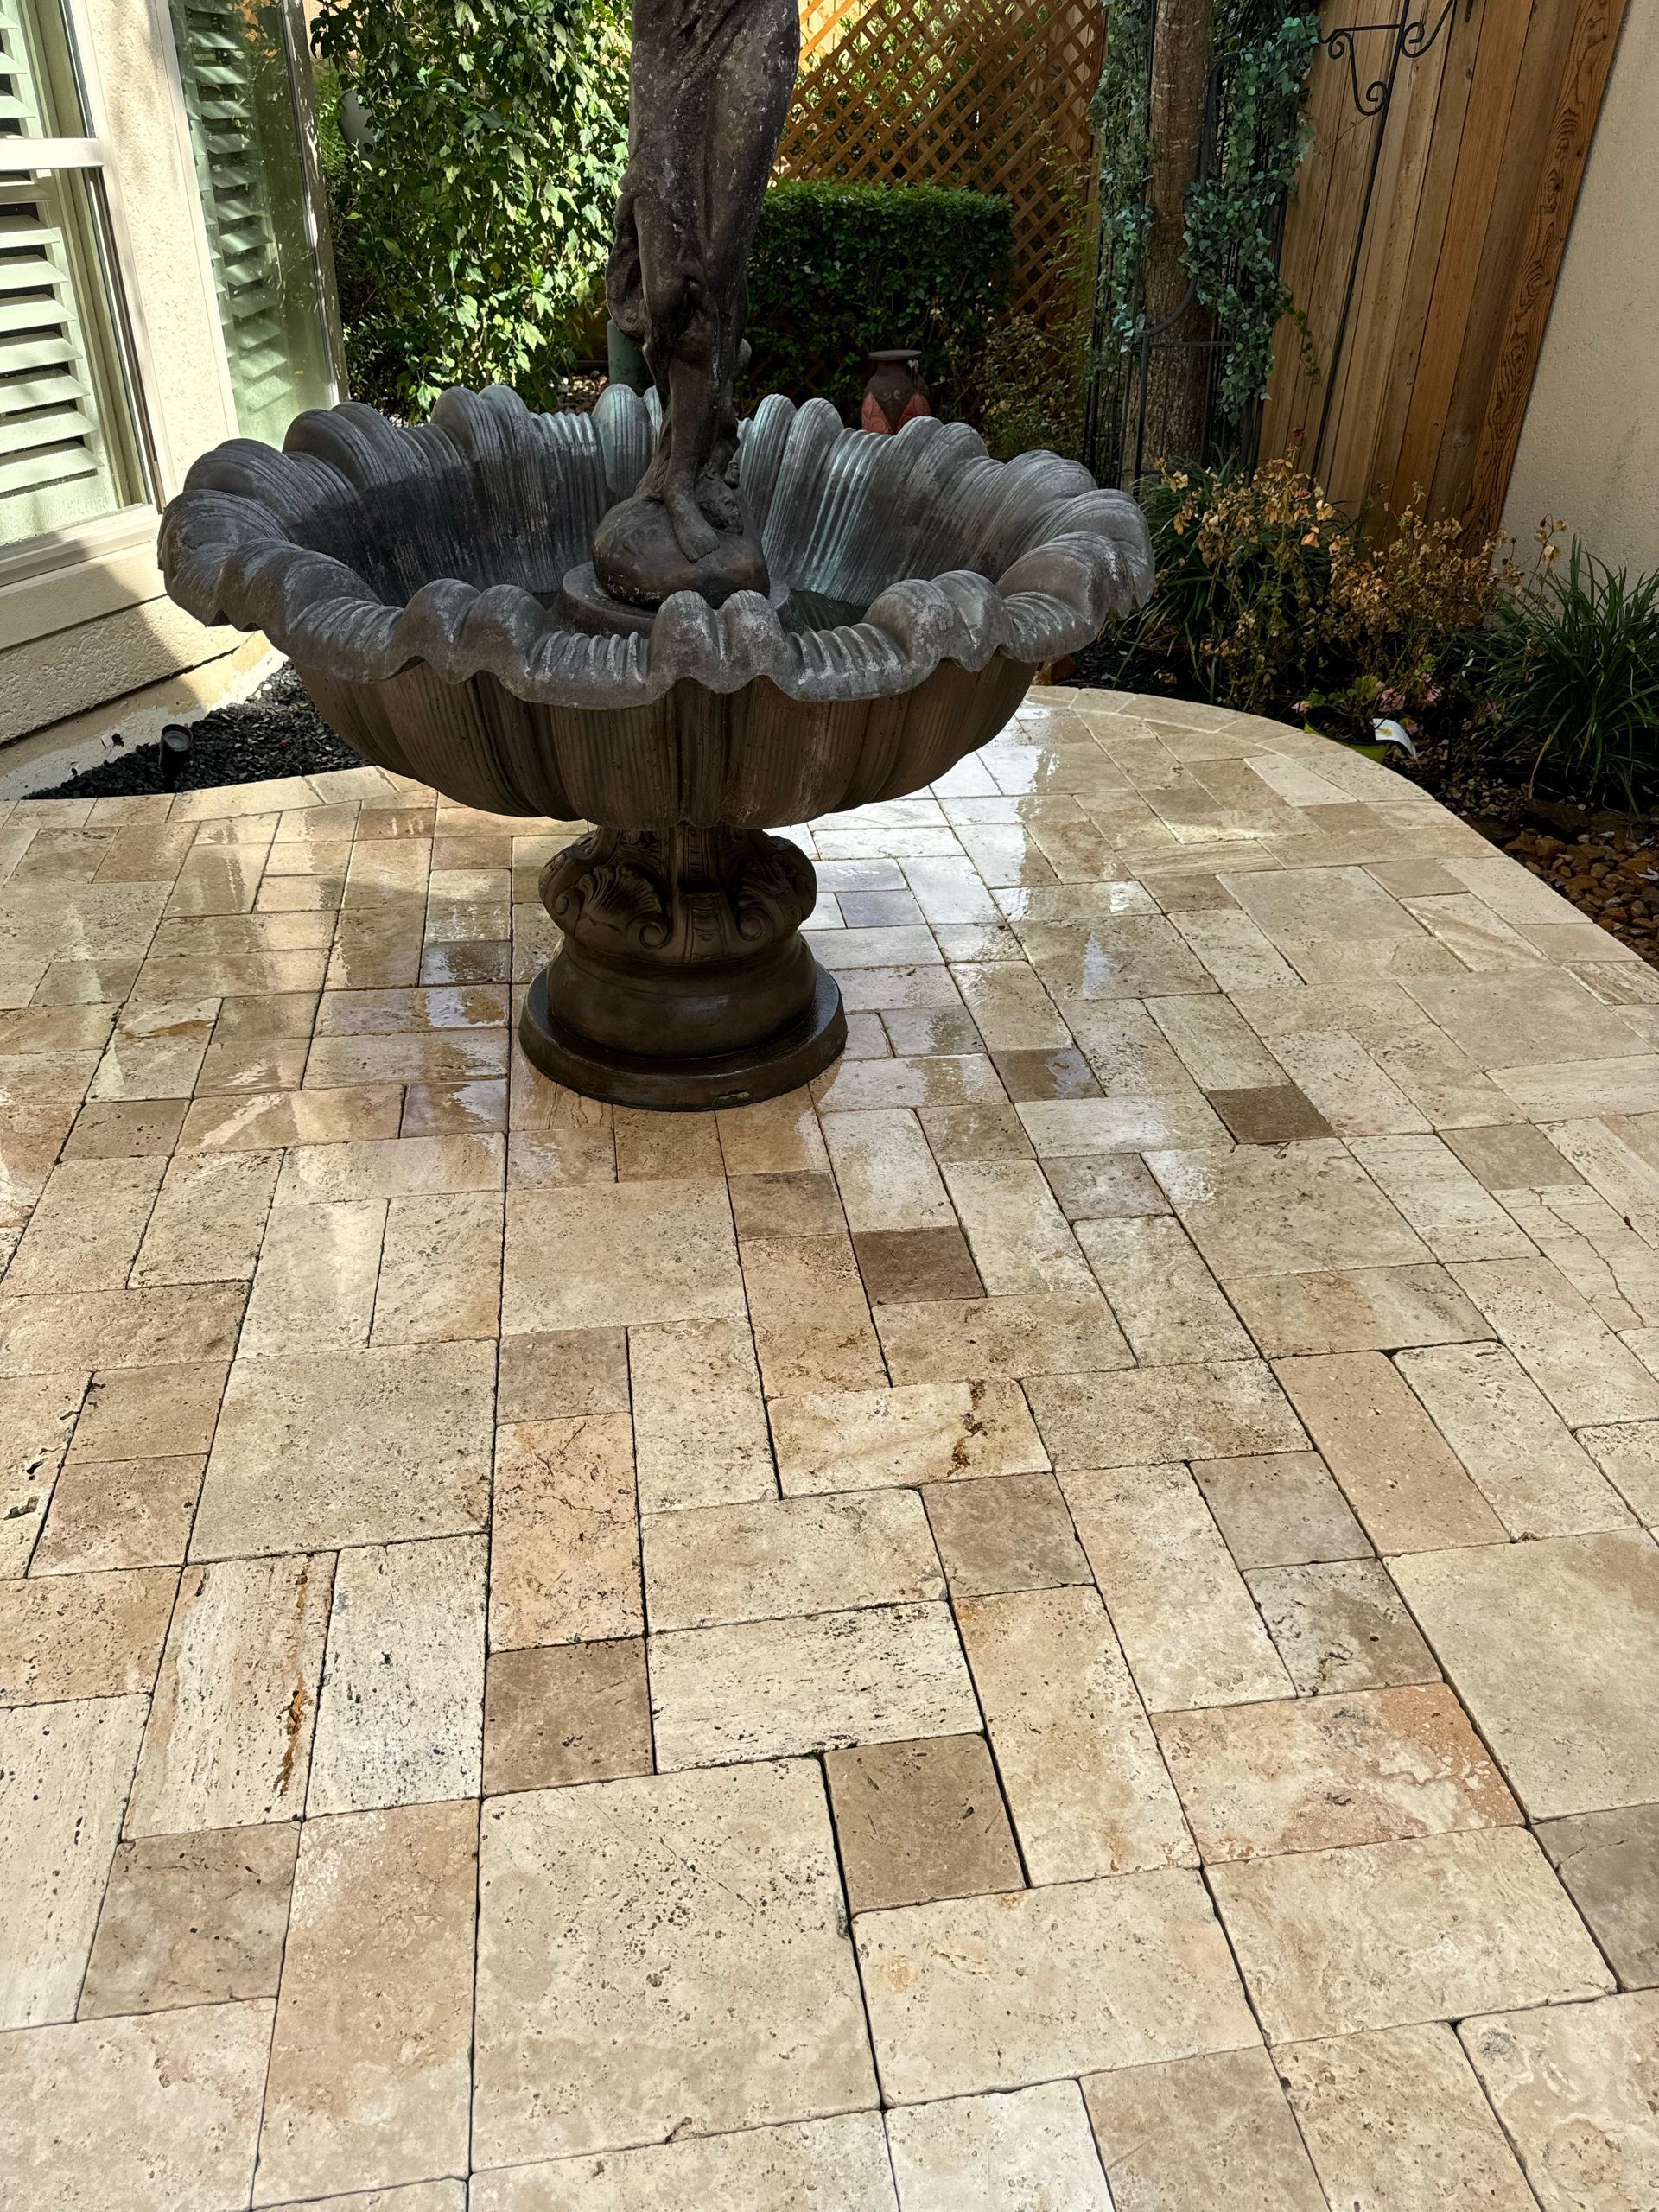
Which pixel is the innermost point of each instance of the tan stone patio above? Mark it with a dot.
(1070, 1622)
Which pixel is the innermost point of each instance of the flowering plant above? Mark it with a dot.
(1272, 600)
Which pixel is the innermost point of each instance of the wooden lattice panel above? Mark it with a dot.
(979, 94)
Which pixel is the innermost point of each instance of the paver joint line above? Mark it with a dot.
(1073, 1609)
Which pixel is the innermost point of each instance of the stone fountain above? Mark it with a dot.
(684, 629)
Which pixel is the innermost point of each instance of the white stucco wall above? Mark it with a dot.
(1589, 450)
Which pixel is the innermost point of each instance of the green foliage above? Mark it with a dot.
(1121, 115)
(840, 271)
(1244, 562)
(1032, 374)
(1270, 600)
(476, 224)
(1232, 217)
(1570, 664)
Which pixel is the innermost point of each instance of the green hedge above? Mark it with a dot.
(841, 269)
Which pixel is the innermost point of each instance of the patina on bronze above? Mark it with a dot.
(690, 939)
(682, 945)
(686, 631)
(708, 88)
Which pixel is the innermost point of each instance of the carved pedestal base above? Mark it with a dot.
(683, 981)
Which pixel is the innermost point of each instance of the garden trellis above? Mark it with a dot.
(969, 93)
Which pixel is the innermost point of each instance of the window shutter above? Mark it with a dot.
(220, 96)
(54, 467)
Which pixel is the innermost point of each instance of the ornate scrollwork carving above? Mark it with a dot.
(610, 886)
(684, 897)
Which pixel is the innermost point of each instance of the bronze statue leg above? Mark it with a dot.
(752, 86)
(681, 334)
(710, 86)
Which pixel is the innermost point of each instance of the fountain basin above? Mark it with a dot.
(414, 578)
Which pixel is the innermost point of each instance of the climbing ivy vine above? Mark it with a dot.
(1231, 250)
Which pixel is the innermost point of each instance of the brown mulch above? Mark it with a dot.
(1607, 864)
(1613, 877)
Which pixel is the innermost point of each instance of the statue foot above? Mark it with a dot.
(639, 556)
(719, 503)
(697, 534)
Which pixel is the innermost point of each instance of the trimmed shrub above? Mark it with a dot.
(841, 270)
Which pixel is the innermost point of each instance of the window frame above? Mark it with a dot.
(50, 553)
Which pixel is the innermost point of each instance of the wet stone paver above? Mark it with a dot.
(1070, 1617)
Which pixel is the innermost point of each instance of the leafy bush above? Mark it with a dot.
(1243, 565)
(1571, 665)
(840, 271)
(474, 225)
(1396, 632)
(1031, 378)
(1270, 598)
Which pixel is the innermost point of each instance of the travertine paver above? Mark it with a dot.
(1304, 1773)
(1010, 2153)
(1173, 1414)
(759, 1689)
(1610, 1863)
(64, 1774)
(369, 2059)
(1578, 2090)
(915, 1821)
(659, 1955)
(566, 1712)
(349, 1448)
(192, 1920)
(1397, 2117)
(400, 1717)
(1211, 2134)
(229, 1739)
(987, 1993)
(157, 2115)
(788, 1555)
(1382, 1935)
(1554, 1646)
(1078, 1758)
(831, 2165)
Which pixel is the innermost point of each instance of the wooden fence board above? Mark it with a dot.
(1521, 157)
(1480, 165)
(1583, 81)
(1492, 98)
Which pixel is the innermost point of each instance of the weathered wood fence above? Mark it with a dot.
(1484, 146)
(1482, 151)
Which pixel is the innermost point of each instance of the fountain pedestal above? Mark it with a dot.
(683, 981)
(415, 578)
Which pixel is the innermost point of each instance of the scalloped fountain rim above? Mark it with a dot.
(955, 557)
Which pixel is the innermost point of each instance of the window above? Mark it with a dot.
(68, 452)
(237, 66)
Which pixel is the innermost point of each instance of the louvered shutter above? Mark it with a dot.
(54, 469)
(242, 129)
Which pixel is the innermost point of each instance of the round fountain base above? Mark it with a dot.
(686, 1082)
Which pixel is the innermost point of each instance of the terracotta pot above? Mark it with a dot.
(895, 395)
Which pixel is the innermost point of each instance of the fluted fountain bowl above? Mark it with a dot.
(414, 577)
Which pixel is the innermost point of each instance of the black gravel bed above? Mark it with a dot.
(276, 731)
